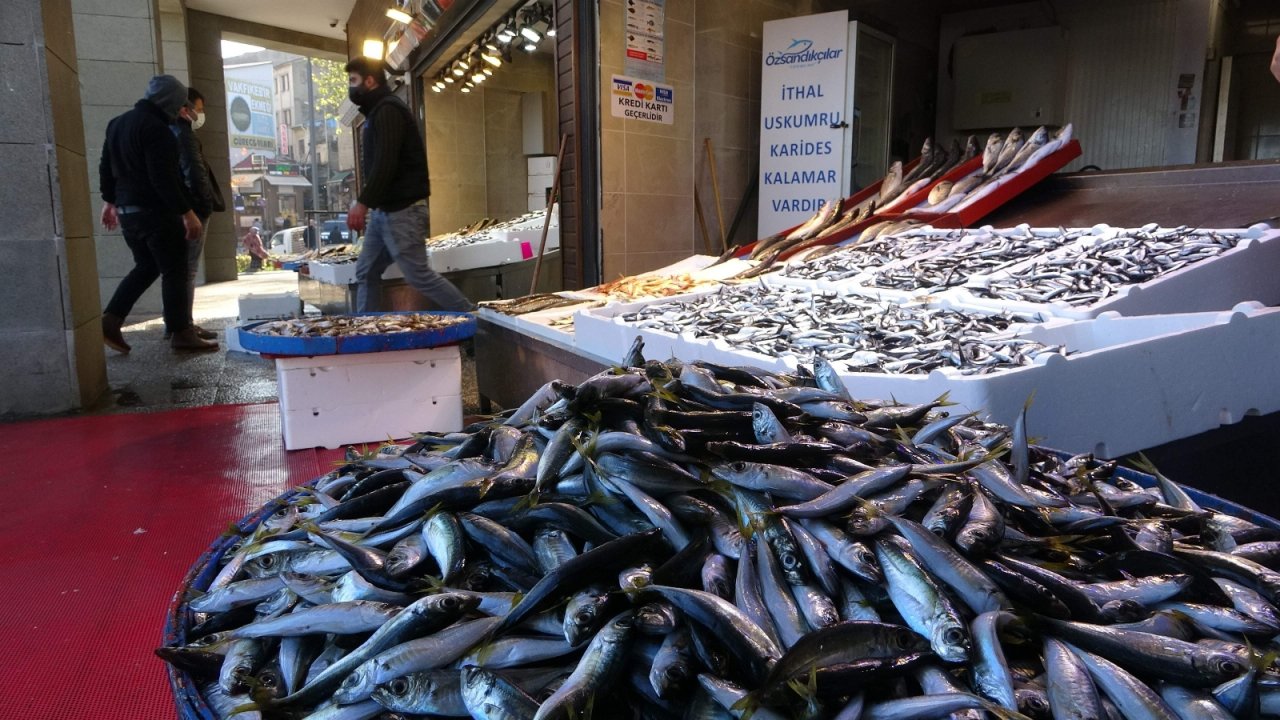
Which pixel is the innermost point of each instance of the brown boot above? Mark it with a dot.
(205, 334)
(111, 334)
(188, 340)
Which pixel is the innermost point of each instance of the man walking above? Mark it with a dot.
(393, 200)
(143, 193)
(202, 190)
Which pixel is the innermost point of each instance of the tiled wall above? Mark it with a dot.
(50, 336)
(647, 168)
(475, 149)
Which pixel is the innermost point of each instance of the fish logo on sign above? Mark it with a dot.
(800, 53)
(643, 91)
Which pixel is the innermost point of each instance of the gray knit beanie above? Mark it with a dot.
(167, 92)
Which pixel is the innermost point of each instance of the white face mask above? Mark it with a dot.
(198, 122)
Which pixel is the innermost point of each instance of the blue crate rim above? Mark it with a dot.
(311, 346)
(191, 705)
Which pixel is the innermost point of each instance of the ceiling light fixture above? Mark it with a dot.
(373, 49)
(399, 16)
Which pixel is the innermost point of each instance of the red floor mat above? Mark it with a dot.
(102, 517)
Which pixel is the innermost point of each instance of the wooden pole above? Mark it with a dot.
(702, 222)
(715, 188)
(546, 221)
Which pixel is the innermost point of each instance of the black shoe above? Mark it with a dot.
(111, 334)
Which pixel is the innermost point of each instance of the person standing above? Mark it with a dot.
(203, 190)
(1275, 61)
(252, 242)
(393, 199)
(143, 194)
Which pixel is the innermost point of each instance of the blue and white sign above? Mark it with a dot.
(802, 96)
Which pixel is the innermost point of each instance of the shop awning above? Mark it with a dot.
(244, 181)
(339, 176)
(287, 181)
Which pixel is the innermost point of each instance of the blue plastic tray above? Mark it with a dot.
(192, 706)
(308, 346)
(292, 264)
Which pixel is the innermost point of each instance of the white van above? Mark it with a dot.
(290, 241)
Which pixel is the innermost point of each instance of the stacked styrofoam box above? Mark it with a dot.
(1125, 383)
(345, 273)
(541, 178)
(1243, 273)
(334, 400)
(477, 255)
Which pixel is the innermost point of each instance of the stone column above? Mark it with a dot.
(204, 47)
(118, 51)
(50, 334)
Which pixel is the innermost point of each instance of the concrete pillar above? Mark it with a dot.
(204, 49)
(50, 334)
(118, 51)
(173, 40)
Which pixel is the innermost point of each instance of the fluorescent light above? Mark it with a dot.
(373, 49)
(530, 34)
(399, 15)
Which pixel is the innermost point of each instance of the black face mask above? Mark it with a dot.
(358, 93)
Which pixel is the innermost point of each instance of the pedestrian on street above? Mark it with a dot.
(252, 242)
(143, 195)
(393, 201)
(202, 188)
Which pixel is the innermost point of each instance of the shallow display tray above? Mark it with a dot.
(491, 253)
(1243, 273)
(309, 346)
(345, 273)
(191, 705)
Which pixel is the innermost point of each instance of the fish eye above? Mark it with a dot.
(267, 561)
(789, 561)
(1231, 666)
(738, 466)
(953, 636)
(352, 681)
(585, 616)
(398, 687)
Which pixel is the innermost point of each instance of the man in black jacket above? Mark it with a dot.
(394, 196)
(202, 188)
(143, 194)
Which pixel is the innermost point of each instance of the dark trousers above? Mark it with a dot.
(159, 246)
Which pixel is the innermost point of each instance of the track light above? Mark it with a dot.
(530, 34)
(488, 72)
(491, 57)
(478, 77)
(436, 88)
(449, 79)
(458, 70)
(399, 16)
(506, 34)
(373, 49)
(530, 46)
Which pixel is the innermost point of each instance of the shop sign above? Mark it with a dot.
(250, 109)
(637, 99)
(802, 108)
(644, 30)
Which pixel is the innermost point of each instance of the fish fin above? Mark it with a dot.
(248, 707)
(527, 502)
(747, 706)
(193, 594)
(943, 400)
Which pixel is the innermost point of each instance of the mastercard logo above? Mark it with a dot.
(643, 92)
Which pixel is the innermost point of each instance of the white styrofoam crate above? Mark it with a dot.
(542, 165)
(232, 336)
(478, 255)
(532, 236)
(1241, 274)
(345, 273)
(265, 306)
(540, 183)
(333, 400)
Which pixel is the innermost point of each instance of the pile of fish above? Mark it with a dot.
(1003, 157)
(1096, 268)
(844, 262)
(483, 230)
(530, 303)
(852, 332)
(685, 540)
(969, 256)
(635, 287)
(353, 325)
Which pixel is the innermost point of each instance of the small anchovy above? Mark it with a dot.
(1099, 265)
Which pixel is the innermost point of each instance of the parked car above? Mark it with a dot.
(327, 227)
(290, 241)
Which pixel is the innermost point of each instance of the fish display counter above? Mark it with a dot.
(670, 535)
